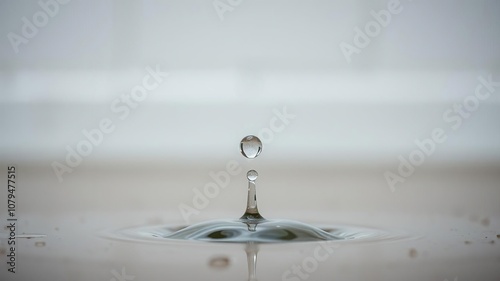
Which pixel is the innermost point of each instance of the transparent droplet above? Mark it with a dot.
(252, 175)
(250, 146)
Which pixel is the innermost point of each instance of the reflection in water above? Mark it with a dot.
(252, 249)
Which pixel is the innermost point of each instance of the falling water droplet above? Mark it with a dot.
(252, 175)
(250, 146)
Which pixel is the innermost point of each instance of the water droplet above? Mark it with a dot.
(252, 175)
(250, 146)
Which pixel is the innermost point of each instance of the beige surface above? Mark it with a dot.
(438, 208)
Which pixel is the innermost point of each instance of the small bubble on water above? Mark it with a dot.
(252, 175)
(250, 146)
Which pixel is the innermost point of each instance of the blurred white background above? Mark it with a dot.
(228, 72)
(227, 75)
